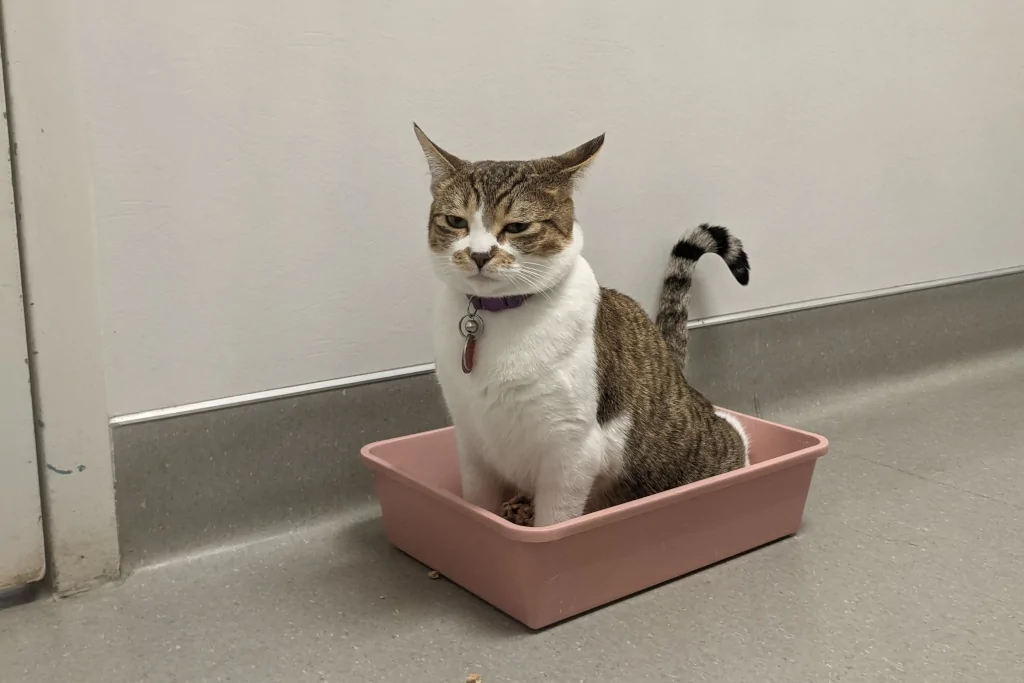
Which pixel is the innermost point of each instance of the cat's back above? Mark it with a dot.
(622, 322)
(633, 361)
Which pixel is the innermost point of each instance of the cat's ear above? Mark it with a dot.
(575, 162)
(441, 162)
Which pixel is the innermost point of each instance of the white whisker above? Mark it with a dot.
(534, 282)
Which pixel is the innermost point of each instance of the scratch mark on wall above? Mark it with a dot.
(57, 470)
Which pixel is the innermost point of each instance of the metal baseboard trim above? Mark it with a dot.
(271, 394)
(849, 298)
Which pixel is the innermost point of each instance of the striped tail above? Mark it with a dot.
(674, 308)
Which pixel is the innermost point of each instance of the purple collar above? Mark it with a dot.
(495, 304)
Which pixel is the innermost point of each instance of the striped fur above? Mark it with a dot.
(674, 307)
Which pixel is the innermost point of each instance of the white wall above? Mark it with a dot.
(261, 200)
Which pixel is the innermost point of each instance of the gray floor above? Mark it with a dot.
(909, 567)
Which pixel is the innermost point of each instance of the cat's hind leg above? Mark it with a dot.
(738, 426)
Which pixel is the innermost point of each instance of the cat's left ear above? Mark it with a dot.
(574, 163)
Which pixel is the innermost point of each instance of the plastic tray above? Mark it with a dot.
(544, 575)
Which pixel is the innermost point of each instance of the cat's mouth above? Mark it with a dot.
(481, 276)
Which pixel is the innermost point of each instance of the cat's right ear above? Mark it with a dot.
(441, 162)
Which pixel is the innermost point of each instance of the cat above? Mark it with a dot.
(557, 387)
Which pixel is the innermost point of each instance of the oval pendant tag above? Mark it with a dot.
(468, 355)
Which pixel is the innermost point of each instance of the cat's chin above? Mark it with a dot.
(511, 284)
(485, 286)
(481, 285)
(506, 283)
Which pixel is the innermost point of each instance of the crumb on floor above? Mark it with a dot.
(473, 678)
(433, 574)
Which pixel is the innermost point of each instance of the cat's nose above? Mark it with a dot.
(480, 258)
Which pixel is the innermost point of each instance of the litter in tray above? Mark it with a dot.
(519, 511)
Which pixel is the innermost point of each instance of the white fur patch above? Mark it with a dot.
(615, 432)
(738, 426)
(527, 413)
(480, 238)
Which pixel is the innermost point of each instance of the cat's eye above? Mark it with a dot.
(457, 222)
(515, 228)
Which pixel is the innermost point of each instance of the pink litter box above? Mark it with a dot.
(542, 576)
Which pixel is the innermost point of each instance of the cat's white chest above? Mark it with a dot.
(532, 393)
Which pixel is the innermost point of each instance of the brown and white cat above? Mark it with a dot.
(557, 386)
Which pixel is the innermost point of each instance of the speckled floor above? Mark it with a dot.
(910, 567)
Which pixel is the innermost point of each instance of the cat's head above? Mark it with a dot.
(499, 228)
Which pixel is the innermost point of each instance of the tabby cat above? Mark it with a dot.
(558, 387)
